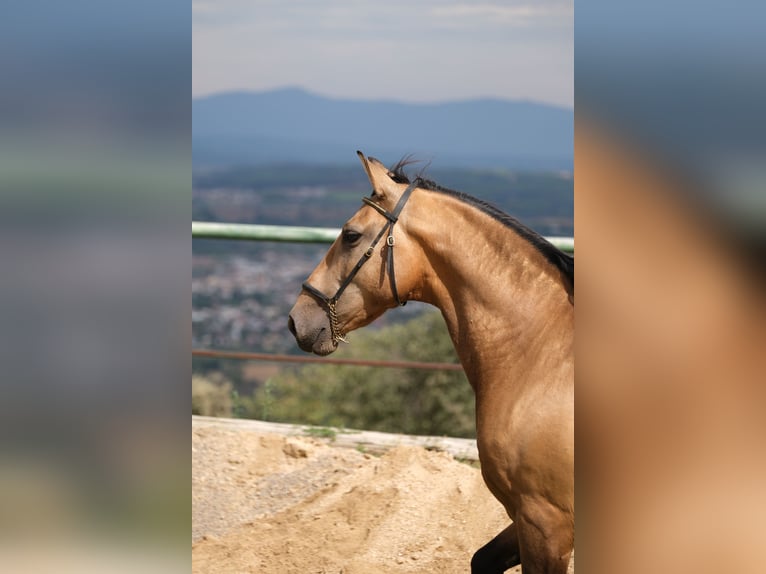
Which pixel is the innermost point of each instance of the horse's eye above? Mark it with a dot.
(351, 237)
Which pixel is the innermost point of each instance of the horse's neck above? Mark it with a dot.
(503, 302)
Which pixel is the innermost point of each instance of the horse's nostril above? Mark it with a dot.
(291, 325)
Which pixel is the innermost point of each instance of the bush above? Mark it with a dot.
(211, 396)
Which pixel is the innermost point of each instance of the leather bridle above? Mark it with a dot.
(392, 217)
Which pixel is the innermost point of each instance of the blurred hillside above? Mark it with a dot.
(292, 125)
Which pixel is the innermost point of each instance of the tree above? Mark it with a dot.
(409, 401)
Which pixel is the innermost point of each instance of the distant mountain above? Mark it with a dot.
(292, 125)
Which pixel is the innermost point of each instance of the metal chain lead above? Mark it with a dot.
(335, 331)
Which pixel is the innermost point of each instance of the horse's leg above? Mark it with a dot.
(499, 554)
(546, 540)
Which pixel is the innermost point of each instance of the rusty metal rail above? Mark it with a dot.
(242, 355)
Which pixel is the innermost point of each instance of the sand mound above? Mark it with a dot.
(274, 504)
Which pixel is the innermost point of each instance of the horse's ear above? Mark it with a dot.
(378, 175)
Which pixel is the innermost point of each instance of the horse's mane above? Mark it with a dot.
(562, 261)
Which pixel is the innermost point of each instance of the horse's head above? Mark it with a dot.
(358, 279)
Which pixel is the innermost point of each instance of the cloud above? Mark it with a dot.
(395, 15)
(462, 14)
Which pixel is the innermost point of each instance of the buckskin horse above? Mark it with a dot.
(507, 297)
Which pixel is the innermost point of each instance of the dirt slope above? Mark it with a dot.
(273, 504)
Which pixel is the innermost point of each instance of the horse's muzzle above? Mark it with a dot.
(311, 339)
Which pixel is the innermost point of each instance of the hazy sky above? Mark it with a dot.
(407, 50)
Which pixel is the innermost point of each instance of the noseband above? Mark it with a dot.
(392, 217)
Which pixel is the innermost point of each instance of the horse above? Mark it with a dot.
(507, 297)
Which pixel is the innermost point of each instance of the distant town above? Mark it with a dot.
(241, 301)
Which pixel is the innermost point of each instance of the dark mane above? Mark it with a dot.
(562, 261)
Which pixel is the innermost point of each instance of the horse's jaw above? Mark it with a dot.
(323, 347)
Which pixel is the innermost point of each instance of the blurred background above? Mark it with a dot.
(670, 212)
(95, 173)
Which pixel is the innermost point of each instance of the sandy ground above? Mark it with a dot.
(265, 503)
